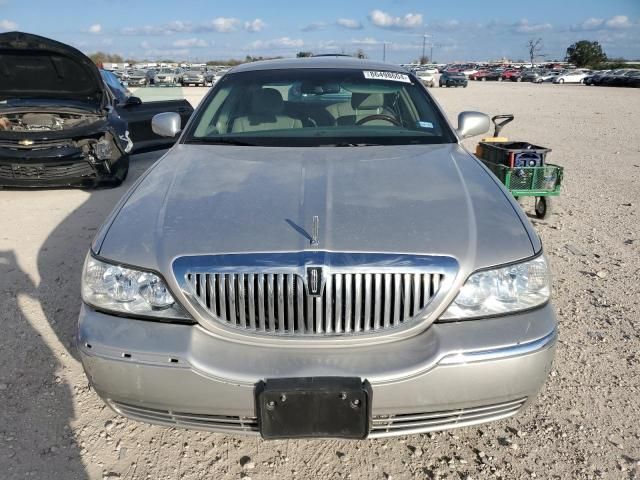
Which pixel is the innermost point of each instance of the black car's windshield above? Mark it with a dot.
(319, 107)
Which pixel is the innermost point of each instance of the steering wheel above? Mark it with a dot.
(378, 116)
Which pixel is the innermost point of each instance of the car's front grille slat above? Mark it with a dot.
(347, 303)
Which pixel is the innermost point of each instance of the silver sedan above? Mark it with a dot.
(317, 256)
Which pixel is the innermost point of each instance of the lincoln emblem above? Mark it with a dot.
(314, 281)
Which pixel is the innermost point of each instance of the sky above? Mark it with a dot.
(454, 30)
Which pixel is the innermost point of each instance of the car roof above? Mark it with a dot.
(318, 62)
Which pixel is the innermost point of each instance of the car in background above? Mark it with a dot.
(547, 77)
(195, 77)
(138, 114)
(427, 77)
(218, 75)
(453, 79)
(595, 77)
(620, 79)
(511, 74)
(64, 122)
(138, 78)
(263, 279)
(484, 75)
(530, 75)
(168, 76)
(572, 76)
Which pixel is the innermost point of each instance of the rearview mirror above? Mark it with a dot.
(471, 124)
(167, 124)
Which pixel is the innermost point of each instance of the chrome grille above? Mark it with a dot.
(279, 303)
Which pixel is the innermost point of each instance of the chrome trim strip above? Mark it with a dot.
(459, 358)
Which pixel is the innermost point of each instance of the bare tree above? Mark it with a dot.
(535, 46)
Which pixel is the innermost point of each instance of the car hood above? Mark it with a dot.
(427, 199)
(38, 67)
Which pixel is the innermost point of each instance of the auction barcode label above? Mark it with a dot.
(393, 76)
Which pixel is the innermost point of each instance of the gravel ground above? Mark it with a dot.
(585, 423)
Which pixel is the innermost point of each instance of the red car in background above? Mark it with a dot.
(513, 75)
(485, 75)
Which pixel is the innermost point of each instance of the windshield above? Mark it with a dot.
(166, 70)
(318, 107)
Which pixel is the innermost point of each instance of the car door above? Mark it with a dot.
(138, 115)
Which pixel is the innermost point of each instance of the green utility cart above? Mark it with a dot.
(521, 167)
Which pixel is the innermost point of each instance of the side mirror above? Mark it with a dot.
(132, 101)
(167, 124)
(471, 124)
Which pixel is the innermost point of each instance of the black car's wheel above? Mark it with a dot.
(484, 79)
(119, 173)
(543, 207)
(518, 79)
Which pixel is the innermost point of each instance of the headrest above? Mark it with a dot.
(367, 101)
(267, 100)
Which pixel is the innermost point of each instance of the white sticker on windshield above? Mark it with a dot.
(392, 76)
(425, 124)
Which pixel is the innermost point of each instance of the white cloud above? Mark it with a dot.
(349, 23)
(313, 27)
(8, 25)
(95, 28)
(591, 24)
(384, 20)
(254, 25)
(276, 43)
(619, 21)
(224, 24)
(190, 42)
(523, 26)
(368, 41)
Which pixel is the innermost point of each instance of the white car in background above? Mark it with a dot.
(573, 76)
(469, 71)
(426, 77)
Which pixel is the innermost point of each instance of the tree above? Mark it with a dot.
(102, 57)
(585, 53)
(423, 60)
(304, 54)
(360, 54)
(535, 46)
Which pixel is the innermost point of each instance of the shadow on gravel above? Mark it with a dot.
(37, 399)
(37, 404)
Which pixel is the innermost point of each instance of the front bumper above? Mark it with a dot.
(451, 375)
(49, 171)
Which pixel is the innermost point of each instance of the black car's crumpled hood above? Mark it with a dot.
(36, 67)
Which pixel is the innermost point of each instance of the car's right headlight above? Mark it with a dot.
(502, 290)
(128, 291)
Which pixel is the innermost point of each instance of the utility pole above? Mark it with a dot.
(424, 45)
(384, 51)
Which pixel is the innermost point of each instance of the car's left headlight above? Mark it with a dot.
(128, 291)
(502, 290)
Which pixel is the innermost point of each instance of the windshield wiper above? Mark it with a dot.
(221, 141)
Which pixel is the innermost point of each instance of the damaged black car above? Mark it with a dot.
(60, 125)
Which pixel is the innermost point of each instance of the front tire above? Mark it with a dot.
(561, 80)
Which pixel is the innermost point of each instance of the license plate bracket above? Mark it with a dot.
(308, 407)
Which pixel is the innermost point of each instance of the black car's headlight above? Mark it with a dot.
(127, 291)
(502, 290)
